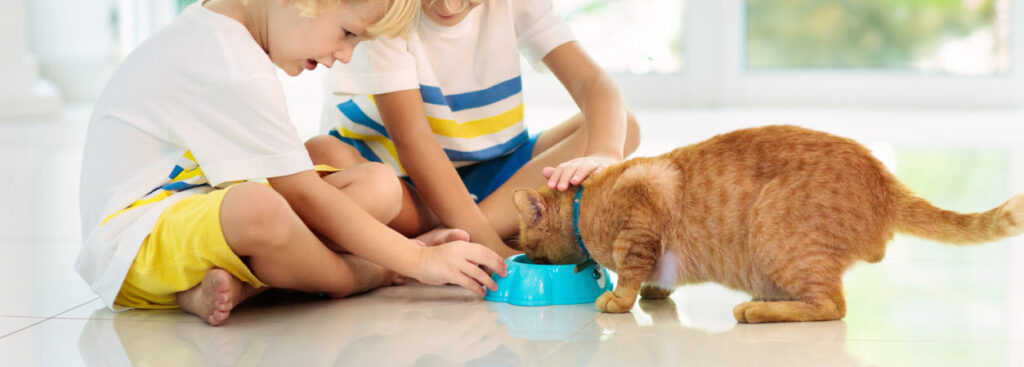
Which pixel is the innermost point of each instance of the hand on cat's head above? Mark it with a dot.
(576, 170)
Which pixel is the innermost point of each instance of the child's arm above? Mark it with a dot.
(426, 163)
(331, 213)
(604, 114)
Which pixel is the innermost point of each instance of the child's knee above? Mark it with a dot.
(326, 149)
(387, 187)
(254, 217)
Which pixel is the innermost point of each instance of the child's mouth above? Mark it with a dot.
(310, 64)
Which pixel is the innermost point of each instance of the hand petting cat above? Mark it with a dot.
(576, 170)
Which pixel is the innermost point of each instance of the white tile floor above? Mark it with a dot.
(926, 304)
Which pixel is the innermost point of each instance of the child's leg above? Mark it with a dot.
(260, 226)
(414, 218)
(373, 186)
(214, 297)
(283, 252)
(562, 143)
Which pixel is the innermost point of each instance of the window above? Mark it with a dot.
(963, 37)
(897, 53)
(636, 36)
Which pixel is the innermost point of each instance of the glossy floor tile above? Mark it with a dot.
(926, 304)
(40, 278)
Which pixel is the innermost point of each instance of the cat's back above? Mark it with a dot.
(771, 150)
(722, 178)
(734, 183)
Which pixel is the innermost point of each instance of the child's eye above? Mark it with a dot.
(346, 33)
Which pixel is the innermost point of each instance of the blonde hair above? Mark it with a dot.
(399, 19)
(399, 15)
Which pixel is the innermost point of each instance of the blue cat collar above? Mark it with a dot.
(577, 201)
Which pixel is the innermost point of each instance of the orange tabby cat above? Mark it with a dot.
(779, 212)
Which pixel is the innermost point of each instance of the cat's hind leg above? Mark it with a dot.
(813, 289)
(755, 312)
(653, 291)
(802, 238)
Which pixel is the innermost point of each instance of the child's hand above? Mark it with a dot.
(575, 171)
(459, 263)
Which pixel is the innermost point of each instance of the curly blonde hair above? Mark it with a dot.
(399, 15)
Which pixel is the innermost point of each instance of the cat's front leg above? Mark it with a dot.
(621, 299)
(634, 252)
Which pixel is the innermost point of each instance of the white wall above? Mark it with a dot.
(21, 92)
(74, 43)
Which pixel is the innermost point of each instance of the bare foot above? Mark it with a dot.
(371, 276)
(215, 296)
(442, 235)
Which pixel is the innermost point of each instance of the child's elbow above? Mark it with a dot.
(632, 135)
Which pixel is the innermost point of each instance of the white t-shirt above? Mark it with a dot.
(468, 75)
(195, 105)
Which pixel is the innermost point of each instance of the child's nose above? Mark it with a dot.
(344, 54)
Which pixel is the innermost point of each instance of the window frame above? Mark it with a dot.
(715, 74)
(875, 88)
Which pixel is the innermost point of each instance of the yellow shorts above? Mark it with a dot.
(186, 242)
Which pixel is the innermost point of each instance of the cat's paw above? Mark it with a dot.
(609, 302)
(787, 311)
(654, 292)
(741, 312)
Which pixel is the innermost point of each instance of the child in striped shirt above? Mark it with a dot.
(444, 108)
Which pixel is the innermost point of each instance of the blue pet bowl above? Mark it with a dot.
(529, 284)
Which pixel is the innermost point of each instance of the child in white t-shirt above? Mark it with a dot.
(444, 108)
(170, 218)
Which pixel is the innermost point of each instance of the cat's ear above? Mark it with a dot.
(530, 205)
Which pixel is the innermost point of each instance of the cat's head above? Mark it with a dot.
(545, 226)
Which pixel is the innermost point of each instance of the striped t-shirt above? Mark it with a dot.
(468, 76)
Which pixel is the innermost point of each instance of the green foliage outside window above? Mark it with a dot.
(878, 34)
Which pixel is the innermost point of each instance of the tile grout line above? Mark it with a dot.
(72, 309)
(26, 327)
(47, 319)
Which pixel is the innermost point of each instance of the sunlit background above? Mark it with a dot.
(934, 88)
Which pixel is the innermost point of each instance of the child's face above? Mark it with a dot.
(296, 43)
(443, 12)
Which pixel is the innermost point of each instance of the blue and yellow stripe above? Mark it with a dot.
(185, 175)
(481, 136)
(480, 98)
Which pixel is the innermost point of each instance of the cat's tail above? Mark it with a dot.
(918, 217)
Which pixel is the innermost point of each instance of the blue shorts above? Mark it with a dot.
(482, 178)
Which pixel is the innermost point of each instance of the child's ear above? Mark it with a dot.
(530, 205)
